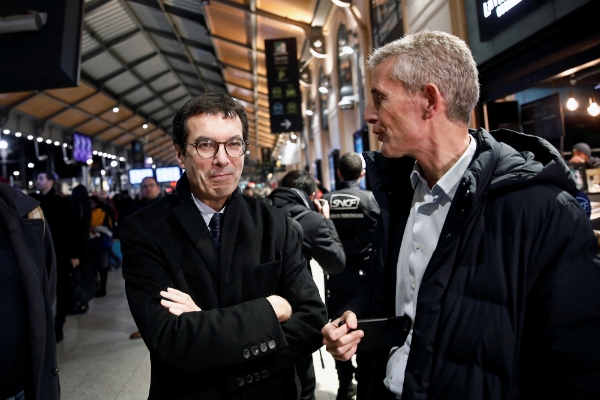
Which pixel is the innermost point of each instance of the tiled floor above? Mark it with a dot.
(99, 362)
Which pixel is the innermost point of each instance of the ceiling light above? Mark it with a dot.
(30, 183)
(115, 109)
(309, 112)
(64, 145)
(572, 104)
(3, 145)
(121, 159)
(114, 163)
(323, 89)
(18, 134)
(95, 152)
(29, 137)
(16, 173)
(48, 141)
(30, 165)
(317, 43)
(593, 109)
(102, 172)
(293, 136)
(145, 126)
(342, 3)
(347, 50)
(6, 131)
(149, 160)
(89, 161)
(153, 166)
(40, 139)
(57, 143)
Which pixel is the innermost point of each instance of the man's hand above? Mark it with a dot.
(282, 308)
(75, 262)
(180, 302)
(577, 160)
(340, 343)
(322, 206)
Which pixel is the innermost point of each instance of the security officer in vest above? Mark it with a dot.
(354, 213)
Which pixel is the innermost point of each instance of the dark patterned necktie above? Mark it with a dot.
(215, 228)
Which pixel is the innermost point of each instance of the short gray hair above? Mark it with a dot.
(439, 58)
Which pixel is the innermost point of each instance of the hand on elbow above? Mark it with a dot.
(178, 302)
(281, 306)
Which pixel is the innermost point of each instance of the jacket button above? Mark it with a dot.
(56, 370)
(263, 347)
(246, 353)
(271, 344)
(462, 211)
(249, 379)
(256, 376)
(240, 381)
(255, 350)
(265, 373)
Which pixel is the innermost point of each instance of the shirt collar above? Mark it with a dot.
(205, 210)
(449, 181)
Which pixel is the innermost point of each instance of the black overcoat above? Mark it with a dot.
(235, 347)
(31, 243)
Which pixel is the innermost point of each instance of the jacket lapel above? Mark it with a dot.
(190, 218)
(229, 229)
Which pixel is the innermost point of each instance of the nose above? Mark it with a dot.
(221, 158)
(371, 114)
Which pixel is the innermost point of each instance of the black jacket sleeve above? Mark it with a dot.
(322, 242)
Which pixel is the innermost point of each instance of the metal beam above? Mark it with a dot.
(109, 44)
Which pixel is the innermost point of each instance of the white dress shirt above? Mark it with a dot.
(423, 227)
(205, 210)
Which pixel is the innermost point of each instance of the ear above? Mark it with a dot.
(339, 174)
(180, 156)
(362, 174)
(313, 196)
(433, 100)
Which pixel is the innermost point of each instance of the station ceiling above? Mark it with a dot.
(148, 57)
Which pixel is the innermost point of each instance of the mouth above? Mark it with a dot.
(220, 177)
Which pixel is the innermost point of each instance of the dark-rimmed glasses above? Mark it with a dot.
(208, 148)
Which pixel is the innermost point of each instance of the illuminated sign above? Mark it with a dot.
(495, 16)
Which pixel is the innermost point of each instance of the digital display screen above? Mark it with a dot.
(82, 148)
(168, 174)
(137, 175)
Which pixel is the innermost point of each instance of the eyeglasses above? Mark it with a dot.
(209, 148)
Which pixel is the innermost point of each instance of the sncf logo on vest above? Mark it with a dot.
(344, 202)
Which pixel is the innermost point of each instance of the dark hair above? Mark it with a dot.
(80, 200)
(149, 177)
(51, 176)
(207, 104)
(300, 179)
(80, 195)
(350, 166)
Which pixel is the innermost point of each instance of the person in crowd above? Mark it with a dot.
(215, 280)
(248, 191)
(481, 244)
(150, 193)
(57, 211)
(582, 155)
(82, 214)
(101, 226)
(27, 292)
(354, 213)
(297, 197)
(123, 203)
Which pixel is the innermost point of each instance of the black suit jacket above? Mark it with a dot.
(235, 347)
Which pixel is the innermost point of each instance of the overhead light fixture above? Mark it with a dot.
(89, 161)
(114, 163)
(95, 152)
(18, 134)
(149, 160)
(309, 112)
(64, 145)
(40, 140)
(29, 137)
(593, 109)
(323, 89)
(317, 43)
(102, 172)
(30, 165)
(115, 109)
(121, 159)
(347, 50)
(48, 141)
(3, 145)
(6, 131)
(572, 104)
(145, 126)
(57, 143)
(16, 173)
(342, 3)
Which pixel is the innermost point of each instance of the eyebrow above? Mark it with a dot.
(204, 138)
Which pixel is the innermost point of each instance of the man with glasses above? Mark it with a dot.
(216, 281)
